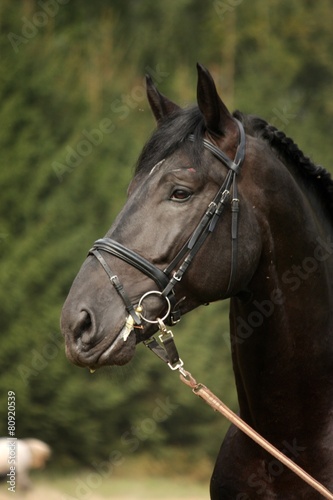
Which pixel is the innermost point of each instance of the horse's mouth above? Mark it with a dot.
(119, 352)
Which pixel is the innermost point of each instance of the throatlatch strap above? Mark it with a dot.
(234, 235)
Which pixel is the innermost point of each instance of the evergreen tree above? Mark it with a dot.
(73, 119)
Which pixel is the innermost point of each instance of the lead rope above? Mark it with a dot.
(167, 348)
(203, 392)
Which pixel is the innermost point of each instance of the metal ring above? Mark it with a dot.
(152, 293)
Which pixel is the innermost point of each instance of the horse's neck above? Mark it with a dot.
(282, 338)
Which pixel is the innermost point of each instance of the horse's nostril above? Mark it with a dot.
(83, 326)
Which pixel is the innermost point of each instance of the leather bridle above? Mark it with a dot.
(167, 279)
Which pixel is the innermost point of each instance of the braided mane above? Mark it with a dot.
(286, 148)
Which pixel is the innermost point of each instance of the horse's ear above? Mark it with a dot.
(160, 105)
(216, 115)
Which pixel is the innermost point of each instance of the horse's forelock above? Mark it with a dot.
(172, 135)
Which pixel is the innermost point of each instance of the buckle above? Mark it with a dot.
(176, 366)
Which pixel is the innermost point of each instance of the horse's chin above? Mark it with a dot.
(118, 352)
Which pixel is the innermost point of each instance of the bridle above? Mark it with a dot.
(167, 279)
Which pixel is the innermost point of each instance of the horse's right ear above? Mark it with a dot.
(160, 105)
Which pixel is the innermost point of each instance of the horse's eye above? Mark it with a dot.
(181, 194)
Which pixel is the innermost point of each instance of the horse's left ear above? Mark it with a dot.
(217, 116)
(160, 105)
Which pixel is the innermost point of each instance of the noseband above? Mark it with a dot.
(169, 277)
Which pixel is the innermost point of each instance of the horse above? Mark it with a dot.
(17, 457)
(224, 205)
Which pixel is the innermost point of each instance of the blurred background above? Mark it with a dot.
(68, 68)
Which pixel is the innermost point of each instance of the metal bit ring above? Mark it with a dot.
(140, 306)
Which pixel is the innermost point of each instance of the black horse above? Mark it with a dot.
(221, 206)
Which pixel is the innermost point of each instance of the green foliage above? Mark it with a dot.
(73, 120)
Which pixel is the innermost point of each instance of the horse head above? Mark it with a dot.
(180, 240)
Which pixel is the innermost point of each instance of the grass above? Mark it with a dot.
(134, 483)
(75, 488)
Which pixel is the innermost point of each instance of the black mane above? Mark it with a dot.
(172, 134)
(286, 148)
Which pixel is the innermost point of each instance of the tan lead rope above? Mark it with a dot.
(201, 390)
(216, 404)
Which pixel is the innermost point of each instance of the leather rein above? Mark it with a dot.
(167, 279)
